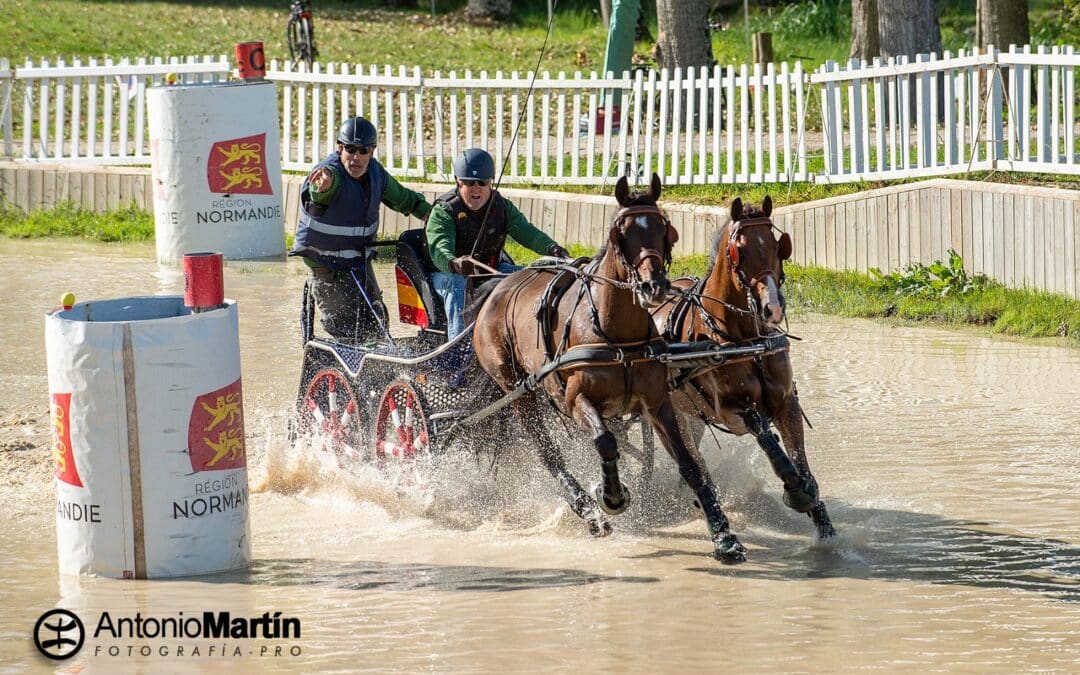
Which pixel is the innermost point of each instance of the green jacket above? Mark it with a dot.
(442, 235)
(396, 196)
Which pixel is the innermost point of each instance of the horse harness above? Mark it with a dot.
(773, 343)
(607, 353)
(733, 257)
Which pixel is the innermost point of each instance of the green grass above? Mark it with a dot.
(363, 32)
(129, 224)
(995, 309)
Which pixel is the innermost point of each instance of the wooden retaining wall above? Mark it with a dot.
(1022, 236)
(1019, 235)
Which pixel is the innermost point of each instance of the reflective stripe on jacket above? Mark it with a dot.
(338, 236)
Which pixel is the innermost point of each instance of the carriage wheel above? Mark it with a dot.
(330, 416)
(402, 441)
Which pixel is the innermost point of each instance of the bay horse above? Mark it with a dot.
(737, 302)
(586, 339)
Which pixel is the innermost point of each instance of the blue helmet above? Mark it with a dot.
(357, 131)
(475, 164)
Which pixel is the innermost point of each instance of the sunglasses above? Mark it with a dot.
(474, 182)
(358, 149)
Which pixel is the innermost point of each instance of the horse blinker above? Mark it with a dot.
(784, 246)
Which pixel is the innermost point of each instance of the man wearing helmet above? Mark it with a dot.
(339, 217)
(472, 222)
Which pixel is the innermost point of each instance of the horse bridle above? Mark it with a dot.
(663, 259)
(733, 257)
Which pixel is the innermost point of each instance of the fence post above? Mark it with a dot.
(855, 119)
(1069, 94)
(8, 76)
(828, 114)
(1042, 108)
(995, 144)
(923, 127)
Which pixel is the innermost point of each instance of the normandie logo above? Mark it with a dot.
(216, 430)
(238, 166)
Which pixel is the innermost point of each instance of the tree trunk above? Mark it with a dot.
(488, 10)
(1001, 23)
(865, 43)
(762, 51)
(909, 27)
(683, 40)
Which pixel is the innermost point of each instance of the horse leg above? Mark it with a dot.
(580, 502)
(612, 495)
(789, 424)
(726, 546)
(800, 493)
(644, 454)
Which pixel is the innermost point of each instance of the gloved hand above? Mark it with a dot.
(462, 265)
(558, 251)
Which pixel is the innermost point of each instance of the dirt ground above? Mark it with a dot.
(25, 461)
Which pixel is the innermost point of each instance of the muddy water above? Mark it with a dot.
(950, 464)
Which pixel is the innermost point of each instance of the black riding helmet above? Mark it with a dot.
(357, 131)
(474, 164)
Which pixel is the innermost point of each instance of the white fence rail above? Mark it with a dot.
(746, 124)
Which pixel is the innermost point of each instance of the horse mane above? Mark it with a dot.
(479, 297)
(749, 211)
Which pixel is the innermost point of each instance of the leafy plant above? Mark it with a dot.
(934, 280)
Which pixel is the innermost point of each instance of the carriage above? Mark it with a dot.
(402, 399)
(398, 403)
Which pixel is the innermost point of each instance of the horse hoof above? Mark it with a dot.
(802, 499)
(729, 550)
(612, 509)
(599, 527)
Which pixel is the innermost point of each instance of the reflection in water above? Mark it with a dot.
(949, 463)
(914, 547)
(369, 575)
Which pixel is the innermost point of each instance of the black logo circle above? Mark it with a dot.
(59, 634)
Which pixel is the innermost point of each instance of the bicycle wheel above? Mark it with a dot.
(292, 36)
(307, 42)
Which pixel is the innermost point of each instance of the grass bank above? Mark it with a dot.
(919, 296)
(365, 32)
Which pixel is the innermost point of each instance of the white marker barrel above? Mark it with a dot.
(148, 438)
(215, 159)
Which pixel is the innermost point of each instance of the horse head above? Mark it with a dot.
(641, 237)
(755, 259)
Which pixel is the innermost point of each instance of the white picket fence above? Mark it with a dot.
(745, 124)
(985, 118)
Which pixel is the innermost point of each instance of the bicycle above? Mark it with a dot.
(300, 34)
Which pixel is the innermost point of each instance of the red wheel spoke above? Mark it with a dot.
(331, 414)
(401, 432)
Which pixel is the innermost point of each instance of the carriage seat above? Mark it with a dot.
(414, 263)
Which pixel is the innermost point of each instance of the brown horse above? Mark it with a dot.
(739, 302)
(585, 336)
